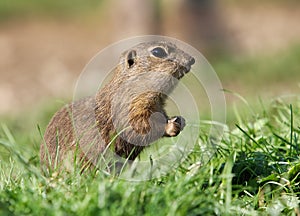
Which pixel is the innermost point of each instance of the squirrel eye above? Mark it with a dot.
(159, 52)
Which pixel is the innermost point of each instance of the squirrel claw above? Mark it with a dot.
(174, 126)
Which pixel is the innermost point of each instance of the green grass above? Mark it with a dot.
(263, 72)
(254, 172)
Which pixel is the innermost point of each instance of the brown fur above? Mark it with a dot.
(131, 104)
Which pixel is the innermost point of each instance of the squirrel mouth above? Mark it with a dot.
(190, 63)
(184, 69)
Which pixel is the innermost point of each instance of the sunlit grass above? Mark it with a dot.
(262, 74)
(255, 170)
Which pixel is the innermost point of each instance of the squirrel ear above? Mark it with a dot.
(131, 58)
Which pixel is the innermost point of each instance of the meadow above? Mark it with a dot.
(254, 171)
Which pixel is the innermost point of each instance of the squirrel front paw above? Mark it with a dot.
(174, 126)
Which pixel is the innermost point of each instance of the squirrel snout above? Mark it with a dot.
(191, 61)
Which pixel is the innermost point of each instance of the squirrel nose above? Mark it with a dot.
(192, 61)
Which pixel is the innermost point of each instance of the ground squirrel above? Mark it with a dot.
(129, 109)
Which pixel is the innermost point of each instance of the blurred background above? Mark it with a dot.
(254, 46)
